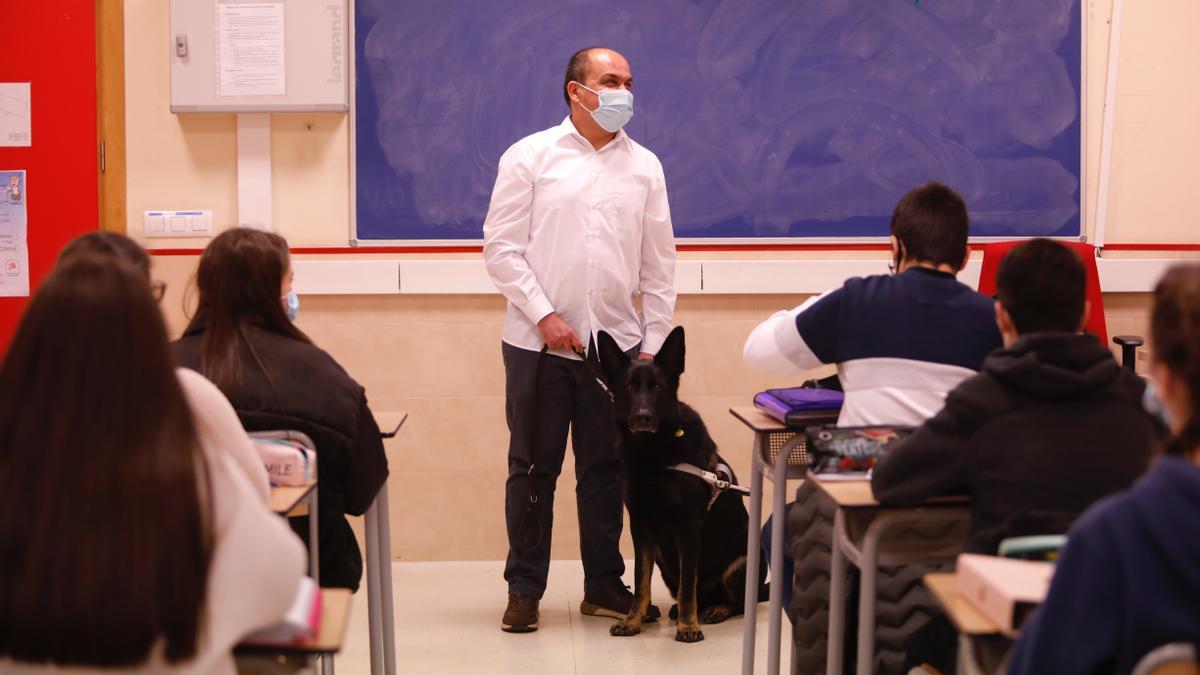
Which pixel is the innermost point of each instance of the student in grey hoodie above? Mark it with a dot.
(1049, 425)
(1129, 579)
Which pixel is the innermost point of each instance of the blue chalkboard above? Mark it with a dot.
(772, 118)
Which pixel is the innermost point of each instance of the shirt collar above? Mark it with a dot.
(567, 128)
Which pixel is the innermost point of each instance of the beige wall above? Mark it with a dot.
(437, 357)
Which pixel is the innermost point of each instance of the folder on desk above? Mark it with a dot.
(1003, 589)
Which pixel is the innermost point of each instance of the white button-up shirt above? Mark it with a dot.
(582, 232)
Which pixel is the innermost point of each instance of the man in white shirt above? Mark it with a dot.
(578, 228)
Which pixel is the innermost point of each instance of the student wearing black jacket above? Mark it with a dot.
(1049, 425)
(1128, 581)
(243, 340)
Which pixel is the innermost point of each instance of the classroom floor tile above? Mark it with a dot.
(448, 621)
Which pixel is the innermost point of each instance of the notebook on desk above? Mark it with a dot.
(1003, 589)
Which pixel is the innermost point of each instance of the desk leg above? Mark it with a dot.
(374, 609)
(869, 571)
(383, 558)
(778, 542)
(837, 599)
(753, 557)
(314, 561)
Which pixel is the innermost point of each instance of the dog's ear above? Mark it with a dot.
(613, 359)
(671, 355)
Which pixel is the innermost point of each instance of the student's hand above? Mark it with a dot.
(646, 357)
(558, 334)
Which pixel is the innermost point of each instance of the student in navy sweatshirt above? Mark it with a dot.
(1129, 578)
(901, 341)
(1050, 424)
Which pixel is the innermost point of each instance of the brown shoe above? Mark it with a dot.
(614, 602)
(521, 615)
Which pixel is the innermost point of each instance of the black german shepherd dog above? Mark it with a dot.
(700, 549)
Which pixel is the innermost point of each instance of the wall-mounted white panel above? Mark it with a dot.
(346, 277)
(258, 56)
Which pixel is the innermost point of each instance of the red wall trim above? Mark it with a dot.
(349, 250)
(1152, 247)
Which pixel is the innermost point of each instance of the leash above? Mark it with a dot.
(719, 481)
(594, 370)
(531, 501)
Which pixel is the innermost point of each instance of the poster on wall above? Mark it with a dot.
(14, 251)
(15, 125)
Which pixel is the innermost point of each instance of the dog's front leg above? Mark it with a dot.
(644, 551)
(688, 627)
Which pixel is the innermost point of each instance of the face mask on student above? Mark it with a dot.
(616, 108)
(1154, 405)
(293, 305)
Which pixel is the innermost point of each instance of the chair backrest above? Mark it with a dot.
(1178, 658)
(294, 437)
(1041, 547)
(994, 253)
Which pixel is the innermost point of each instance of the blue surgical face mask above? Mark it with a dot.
(616, 108)
(1154, 405)
(293, 305)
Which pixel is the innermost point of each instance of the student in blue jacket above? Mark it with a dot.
(1129, 578)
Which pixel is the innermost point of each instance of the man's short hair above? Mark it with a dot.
(1042, 284)
(931, 222)
(577, 69)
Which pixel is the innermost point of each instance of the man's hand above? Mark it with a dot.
(646, 357)
(557, 334)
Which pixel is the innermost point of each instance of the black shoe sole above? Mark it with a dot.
(519, 629)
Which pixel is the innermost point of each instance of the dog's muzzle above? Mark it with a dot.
(643, 421)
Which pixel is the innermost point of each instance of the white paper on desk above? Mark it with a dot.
(14, 249)
(843, 476)
(250, 49)
(16, 127)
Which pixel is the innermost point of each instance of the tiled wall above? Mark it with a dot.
(438, 358)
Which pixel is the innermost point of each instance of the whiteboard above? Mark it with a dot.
(314, 77)
(775, 120)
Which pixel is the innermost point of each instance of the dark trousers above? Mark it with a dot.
(567, 397)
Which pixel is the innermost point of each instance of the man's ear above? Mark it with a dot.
(670, 356)
(613, 359)
(1087, 314)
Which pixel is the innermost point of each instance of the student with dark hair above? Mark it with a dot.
(1050, 424)
(242, 339)
(233, 440)
(1128, 581)
(129, 538)
(900, 341)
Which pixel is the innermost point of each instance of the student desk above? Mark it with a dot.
(779, 454)
(969, 621)
(300, 500)
(869, 549)
(380, 609)
(335, 617)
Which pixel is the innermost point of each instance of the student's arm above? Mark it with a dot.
(1076, 628)
(506, 234)
(778, 346)
(934, 460)
(256, 564)
(367, 466)
(657, 282)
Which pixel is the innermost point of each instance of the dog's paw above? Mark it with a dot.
(625, 628)
(686, 633)
(716, 614)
